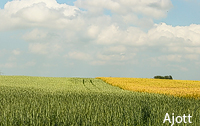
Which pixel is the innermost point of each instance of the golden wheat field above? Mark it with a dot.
(180, 88)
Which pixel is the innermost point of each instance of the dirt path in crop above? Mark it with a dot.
(90, 85)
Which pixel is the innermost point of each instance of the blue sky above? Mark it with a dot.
(183, 13)
(86, 38)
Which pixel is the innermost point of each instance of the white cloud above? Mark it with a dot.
(110, 35)
(49, 49)
(53, 15)
(113, 34)
(173, 38)
(192, 56)
(35, 34)
(42, 6)
(42, 13)
(122, 44)
(93, 31)
(48, 65)
(97, 6)
(97, 63)
(37, 13)
(122, 57)
(126, 12)
(30, 63)
(50, 14)
(16, 52)
(190, 34)
(8, 65)
(132, 19)
(86, 32)
(174, 58)
(78, 55)
(183, 49)
(155, 8)
(117, 49)
(38, 48)
(12, 58)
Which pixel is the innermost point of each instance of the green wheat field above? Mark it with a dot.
(51, 101)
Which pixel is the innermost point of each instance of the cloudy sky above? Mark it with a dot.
(90, 38)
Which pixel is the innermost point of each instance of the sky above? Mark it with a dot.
(95, 38)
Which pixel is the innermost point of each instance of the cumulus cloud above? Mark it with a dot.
(87, 32)
(93, 31)
(122, 42)
(42, 6)
(126, 12)
(48, 49)
(8, 65)
(113, 34)
(48, 13)
(43, 13)
(161, 34)
(78, 55)
(117, 49)
(155, 8)
(16, 52)
(178, 40)
(35, 34)
(112, 58)
(189, 34)
(38, 48)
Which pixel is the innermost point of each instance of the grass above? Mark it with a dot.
(85, 102)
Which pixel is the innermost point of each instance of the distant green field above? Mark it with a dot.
(48, 101)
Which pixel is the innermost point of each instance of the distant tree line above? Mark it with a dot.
(163, 77)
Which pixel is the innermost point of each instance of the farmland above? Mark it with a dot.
(180, 88)
(85, 101)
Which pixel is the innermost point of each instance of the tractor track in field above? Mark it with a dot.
(86, 86)
(90, 81)
(94, 85)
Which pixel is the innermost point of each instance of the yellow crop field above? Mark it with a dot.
(180, 88)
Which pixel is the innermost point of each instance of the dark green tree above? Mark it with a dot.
(163, 77)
